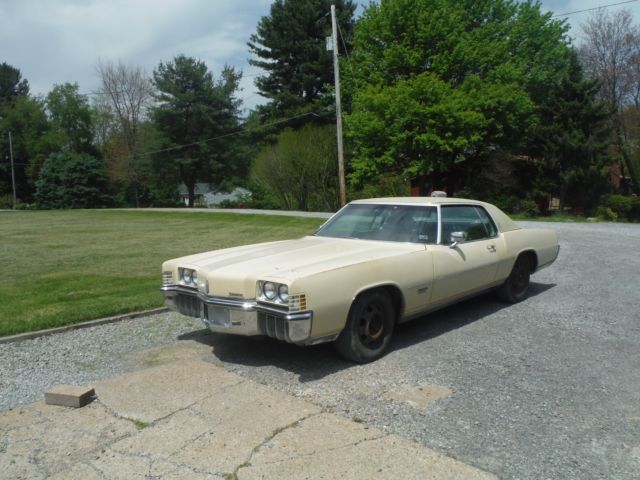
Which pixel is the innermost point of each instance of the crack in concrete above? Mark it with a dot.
(335, 449)
(275, 433)
(98, 471)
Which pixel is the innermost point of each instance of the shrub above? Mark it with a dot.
(69, 180)
(605, 213)
(625, 207)
(6, 201)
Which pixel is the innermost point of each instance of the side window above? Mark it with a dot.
(487, 222)
(473, 221)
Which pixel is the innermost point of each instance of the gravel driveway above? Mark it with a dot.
(547, 388)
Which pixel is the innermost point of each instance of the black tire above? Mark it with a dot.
(515, 287)
(369, 327)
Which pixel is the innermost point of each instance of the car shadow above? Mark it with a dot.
(318, 361)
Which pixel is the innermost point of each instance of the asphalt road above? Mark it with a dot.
(545, 389)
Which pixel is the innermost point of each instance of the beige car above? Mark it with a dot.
(373, 264)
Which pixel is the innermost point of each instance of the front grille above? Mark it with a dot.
(273, 326)
(188, 305)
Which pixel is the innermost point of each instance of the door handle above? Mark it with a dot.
(491, 248)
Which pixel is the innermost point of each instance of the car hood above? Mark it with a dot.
(238, 268)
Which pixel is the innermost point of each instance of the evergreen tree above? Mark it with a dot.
(573, 137)
(12, 85)
(195, 115)
(70, 180)
(289, 44)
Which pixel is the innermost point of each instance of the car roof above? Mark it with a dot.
(505, 223)
(418, 200)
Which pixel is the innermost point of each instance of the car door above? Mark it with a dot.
(472, 264)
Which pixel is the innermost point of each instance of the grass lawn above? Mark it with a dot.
(63, 267)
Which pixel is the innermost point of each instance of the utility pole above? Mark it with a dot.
(336, 75)
(13, 175)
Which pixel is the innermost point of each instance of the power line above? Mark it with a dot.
(230, 134)
(593, 8)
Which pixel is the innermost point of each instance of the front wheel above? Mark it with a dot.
(514, 288)
(369, 327)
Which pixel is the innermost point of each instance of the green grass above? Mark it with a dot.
(63, 267)
(565, 218)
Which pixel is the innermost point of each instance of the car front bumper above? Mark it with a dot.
(240, 316)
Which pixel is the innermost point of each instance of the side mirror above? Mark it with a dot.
(455, 238)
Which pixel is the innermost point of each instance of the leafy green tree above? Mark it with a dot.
(289, 44)
(71, 180)
(440, 85)
(13, 88)
(27, 122)
(71, 118)
(300, 169)
(196, 116)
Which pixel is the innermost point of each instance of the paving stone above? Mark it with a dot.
(69, 396)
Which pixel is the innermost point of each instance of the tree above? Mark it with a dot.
(12, 85)
(440, 86)
(125, 99)
(196, 115)
(299, 169)
(289, 44)
(71, 118)
(27, 121)
(71, 180)
(573, 138)
(611, 53)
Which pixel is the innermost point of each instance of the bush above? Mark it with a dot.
(624, 207)
(513, 204)
(6, 201)
(69, 180)
(606, 214)
(528, 207)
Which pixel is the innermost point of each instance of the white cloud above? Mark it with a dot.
(61, 41)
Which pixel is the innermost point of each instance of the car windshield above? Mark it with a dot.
(390, 223)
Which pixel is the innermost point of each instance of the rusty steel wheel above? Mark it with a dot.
(369, 327)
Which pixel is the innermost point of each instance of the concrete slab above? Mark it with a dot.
(155, 393)
(190, 419)
(380, 458)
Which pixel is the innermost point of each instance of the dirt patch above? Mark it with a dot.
(418, 396)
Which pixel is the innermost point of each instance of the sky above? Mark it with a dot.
(58, 41)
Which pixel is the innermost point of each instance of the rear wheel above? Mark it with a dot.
(514, 288)
(369, 327)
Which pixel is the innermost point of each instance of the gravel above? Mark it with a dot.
(547, 388)
(82, 357)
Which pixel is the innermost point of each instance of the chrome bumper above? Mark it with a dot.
(240, 317)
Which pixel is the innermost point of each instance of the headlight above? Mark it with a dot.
(283, 293)
(188, 277)
(269, 290)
